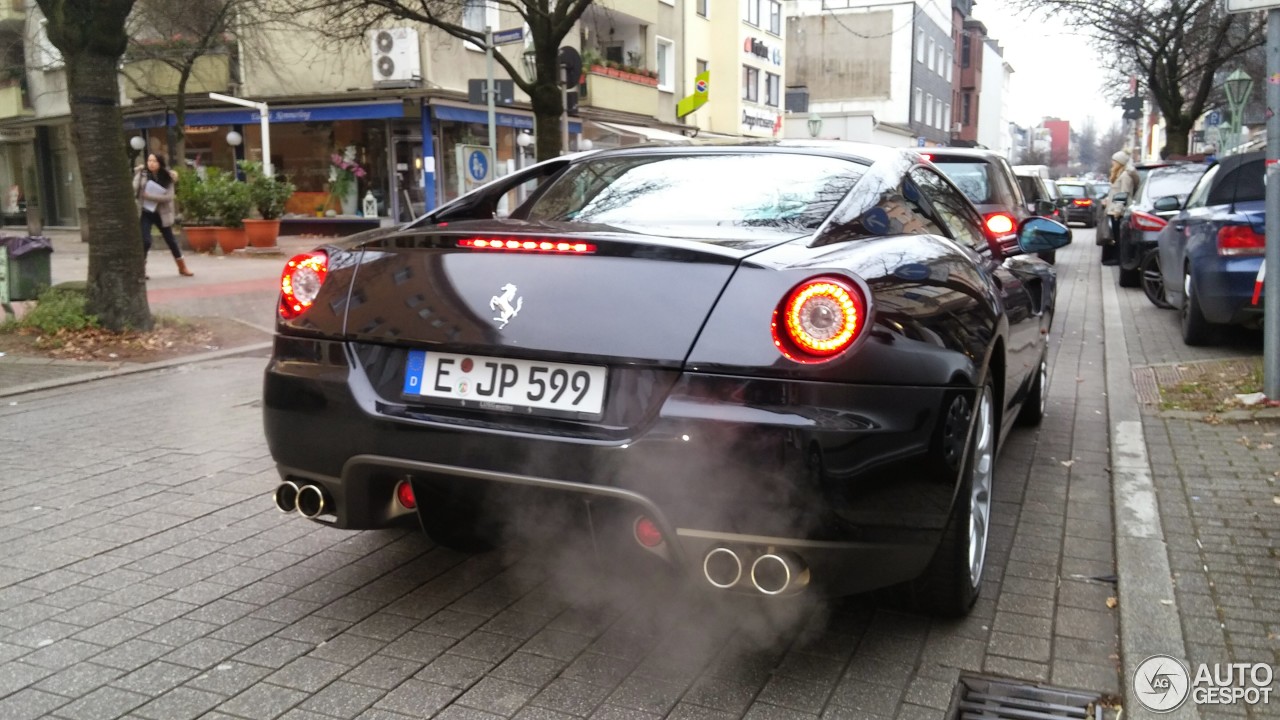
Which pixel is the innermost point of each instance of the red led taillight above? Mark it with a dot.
(300, 283)
(1082, 202)
(1139, 220)
(1241, 240)
(819, 319)
(528, 245)
(404, 495)
(647, 532)
(1000, 224)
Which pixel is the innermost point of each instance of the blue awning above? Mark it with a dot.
(471, 115)
(287, 114)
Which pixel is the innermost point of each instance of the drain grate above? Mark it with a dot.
(1144, 382)
(986, 699)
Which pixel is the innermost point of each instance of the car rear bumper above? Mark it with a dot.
(850, 479)
(1224, 287)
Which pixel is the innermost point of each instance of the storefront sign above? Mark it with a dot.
(757, 47)
(469, 115)
(759, 120)
(323, 113)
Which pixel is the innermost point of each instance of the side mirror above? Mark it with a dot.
(1045, 207)
(1039, 235)
(1167, 203)
(1120, 197)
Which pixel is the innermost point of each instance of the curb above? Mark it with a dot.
(1150, 623)
(244, 350)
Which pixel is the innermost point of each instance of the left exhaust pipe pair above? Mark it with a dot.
(309, 500)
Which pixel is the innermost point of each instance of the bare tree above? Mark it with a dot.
(1087, 142)
(92, 37)
(1109, 143)
(1031, 155)
(1176, 48)
(166, 42)
(549, 22)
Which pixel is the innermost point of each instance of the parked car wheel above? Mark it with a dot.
(953, 580)
(1033, 407)
(1196, 330)
(1153, 279)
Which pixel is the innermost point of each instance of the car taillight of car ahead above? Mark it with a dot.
(1139, 220)
(1082, 202)
(1240, 240)
(1000, 224)
(535, 245)
(300, 283)
(819, 319)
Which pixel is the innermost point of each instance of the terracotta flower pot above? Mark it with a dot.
(201, 238)
(231, 239)
(262, 233)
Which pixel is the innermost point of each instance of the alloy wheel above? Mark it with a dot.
(982, 472)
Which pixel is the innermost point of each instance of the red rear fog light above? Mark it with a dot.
(1000, 224)
(647, 532)
(404, 495)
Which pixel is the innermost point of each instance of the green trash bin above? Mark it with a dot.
(29, 271)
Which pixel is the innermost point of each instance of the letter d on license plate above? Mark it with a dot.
(489, 382)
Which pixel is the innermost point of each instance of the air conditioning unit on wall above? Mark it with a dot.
(396, 56)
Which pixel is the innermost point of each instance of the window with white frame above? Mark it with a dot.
(919, 108)
(928, 108)
(919, 44)
(946, 117)
(937, 114)
(942, 61)
(951, 61)
(928, 56)
(702, 8)
(772, 89)
(477, 15)
(775, 17)
(750, 84)
(751, 12)
(666, 58)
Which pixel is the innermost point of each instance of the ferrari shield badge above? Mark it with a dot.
(507, 305)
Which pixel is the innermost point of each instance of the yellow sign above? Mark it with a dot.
(701, 92)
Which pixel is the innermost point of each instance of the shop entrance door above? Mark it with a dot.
(408, 202)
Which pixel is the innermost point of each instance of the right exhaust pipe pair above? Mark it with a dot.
(771, 572)
(309, 500)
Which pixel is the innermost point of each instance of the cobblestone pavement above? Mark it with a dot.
(1218, 487)
(145, 573)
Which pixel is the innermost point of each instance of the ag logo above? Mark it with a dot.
(1161, 683)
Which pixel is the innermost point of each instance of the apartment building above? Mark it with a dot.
(401, 102)
(893, 60)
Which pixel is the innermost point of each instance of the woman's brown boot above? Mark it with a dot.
(182, 267)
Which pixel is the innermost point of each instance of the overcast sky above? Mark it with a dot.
(1055, 73)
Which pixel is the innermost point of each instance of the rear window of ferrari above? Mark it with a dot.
(749, 190)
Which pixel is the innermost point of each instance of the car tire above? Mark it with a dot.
(950, 585)
(1153, 278)
(1196, 330)
(454, 519)
(1033, 405)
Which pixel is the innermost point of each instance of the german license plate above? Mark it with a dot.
(506, 383)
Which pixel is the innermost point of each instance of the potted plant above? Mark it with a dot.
(320, 209)
(231, 204)
(192, 195)
(269, 196)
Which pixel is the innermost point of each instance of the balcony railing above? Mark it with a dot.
(624, 91)
(13, 101)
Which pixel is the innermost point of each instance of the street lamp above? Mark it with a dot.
(530, 60)
(815, 125)
(234, 139)
(137, 143)
(1238, 86)
(264, 117)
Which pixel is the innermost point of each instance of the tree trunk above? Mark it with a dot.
(546, 100)
(1177, 132)
(178, 150)
(117, 293)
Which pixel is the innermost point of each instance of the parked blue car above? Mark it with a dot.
(1211, 251)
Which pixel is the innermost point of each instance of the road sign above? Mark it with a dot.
(473, 166)
(920, 141)
(506, 37)
(478, 166)
(1213, 119)
(1251, 5)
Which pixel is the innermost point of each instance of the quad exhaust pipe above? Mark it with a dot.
(311, 501)
(771, 572)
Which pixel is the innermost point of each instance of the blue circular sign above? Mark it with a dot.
(478, 166)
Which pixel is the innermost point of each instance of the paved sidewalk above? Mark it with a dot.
(1218, 491)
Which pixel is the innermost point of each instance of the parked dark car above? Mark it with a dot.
(1211, 250)
(768, 367)
(1161, 194)
(988, 180)
(1081, 203)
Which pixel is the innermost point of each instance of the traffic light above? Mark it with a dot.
(1132, 107)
